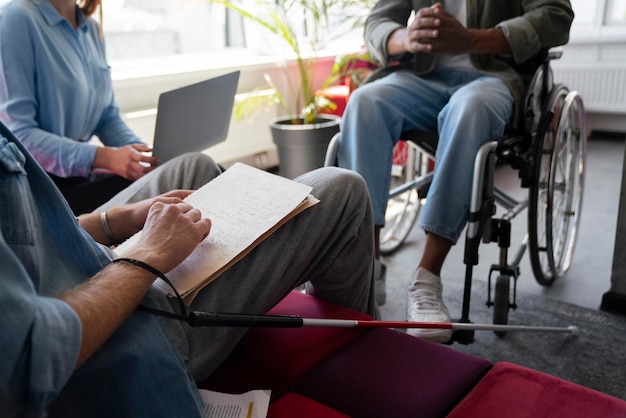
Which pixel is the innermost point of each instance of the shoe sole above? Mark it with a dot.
(436, 336)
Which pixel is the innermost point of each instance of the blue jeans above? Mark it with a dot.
(466, 108)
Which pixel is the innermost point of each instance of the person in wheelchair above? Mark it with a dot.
(459, 69)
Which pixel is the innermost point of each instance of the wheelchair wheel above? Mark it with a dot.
(501, 303)
(402, 208)
(555, 195)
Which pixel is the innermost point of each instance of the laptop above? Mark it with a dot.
(195, 117)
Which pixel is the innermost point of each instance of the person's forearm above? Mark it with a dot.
(118, 221)
(103, 157)
(172, 229)
(395, 42)
(92, 223)
(480, 41)
(104, 302)
(113, 131)
(488, 41)
(125, 220)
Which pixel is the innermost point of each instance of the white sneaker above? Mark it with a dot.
(426, 305)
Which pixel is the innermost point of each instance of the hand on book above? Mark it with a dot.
(172, 230)
(245, 206)
(128, 219)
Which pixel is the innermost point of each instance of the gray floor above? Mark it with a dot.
(589, 276)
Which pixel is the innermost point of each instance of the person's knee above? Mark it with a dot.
(364, 100)
(198, 162)
(468, 106)
(347, 178)
(483, 105)
(347, 184)
(199, 159)
(333, 179)
(475, 114)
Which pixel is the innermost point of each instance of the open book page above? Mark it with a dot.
(245, 206)
(252, 404)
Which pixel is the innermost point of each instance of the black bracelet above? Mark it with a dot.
(159, 274)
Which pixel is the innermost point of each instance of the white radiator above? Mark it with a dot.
(249, 141)
(602, 86)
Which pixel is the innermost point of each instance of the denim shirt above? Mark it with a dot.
(43, 252)
(56, 91)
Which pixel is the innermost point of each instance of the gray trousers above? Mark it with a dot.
(328, 247)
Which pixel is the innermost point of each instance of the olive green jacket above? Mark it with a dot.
(529, 26)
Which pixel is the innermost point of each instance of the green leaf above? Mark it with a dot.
(281, 18)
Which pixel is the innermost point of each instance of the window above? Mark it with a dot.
(599, 21)
(584, 10)
(616, 12)
(139, 29)
(154, 33)
(151, 33)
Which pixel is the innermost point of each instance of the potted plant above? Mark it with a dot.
(302, 135)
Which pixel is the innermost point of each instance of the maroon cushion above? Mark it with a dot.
(392, 374)
(293, 405)
(292, 351)
(515, 391)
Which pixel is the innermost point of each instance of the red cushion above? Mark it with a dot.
(292, 351)
(515, 391)
(387, 373)
(293, 405)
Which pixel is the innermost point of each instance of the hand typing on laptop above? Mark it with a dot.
(130, 162)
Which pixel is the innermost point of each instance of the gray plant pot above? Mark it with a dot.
(302, 148)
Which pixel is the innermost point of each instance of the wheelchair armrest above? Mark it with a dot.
(555, 53)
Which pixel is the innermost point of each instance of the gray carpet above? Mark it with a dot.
(596, 358)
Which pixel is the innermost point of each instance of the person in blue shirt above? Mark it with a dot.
(56, 94)
(73, 343)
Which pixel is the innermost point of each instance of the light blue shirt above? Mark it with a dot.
(55, 87)
(44, 252)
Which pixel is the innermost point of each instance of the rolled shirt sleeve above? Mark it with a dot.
(55, 337)
(40, 342)
(544, 24)
(386, 17)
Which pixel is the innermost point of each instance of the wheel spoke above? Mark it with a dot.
(557, 195)
(403, 209)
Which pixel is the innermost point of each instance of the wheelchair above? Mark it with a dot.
(548, 152)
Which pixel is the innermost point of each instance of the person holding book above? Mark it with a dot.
(73, 343)
(458, 68)
(56, 94)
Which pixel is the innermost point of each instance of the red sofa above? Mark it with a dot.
(377, 372)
